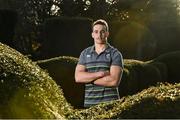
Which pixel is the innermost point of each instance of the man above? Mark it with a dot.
(100, 67)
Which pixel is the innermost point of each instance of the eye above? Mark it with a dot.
(95, 31)
(103, 31)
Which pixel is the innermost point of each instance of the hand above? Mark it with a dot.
(106, 73)
(103, 73)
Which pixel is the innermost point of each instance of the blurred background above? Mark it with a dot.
(42, 29)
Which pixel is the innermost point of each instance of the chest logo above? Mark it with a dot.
(108, 56)
(88, 56)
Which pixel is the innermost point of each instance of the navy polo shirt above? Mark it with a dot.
(94, 62)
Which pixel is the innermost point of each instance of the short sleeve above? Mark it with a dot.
(82, 58)
(117, 58)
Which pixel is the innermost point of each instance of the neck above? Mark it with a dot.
(100, 47)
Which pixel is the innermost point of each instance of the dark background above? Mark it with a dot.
(42, 29)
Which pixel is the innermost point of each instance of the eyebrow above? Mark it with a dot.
(100, 30)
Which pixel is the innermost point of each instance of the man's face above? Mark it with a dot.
(99, 34)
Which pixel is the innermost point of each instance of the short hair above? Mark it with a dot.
(101, 22)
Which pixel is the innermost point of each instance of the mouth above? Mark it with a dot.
(98, 38)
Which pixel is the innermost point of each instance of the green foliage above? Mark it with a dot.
(140, 75)
(155, 102)
(172, 62)
(161, 69)
(61, 69)
(26, 90)
(137, 76)
(147, 13)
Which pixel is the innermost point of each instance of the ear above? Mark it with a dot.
(92, 35)
(107, 34)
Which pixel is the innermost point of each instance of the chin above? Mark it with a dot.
(100, 41)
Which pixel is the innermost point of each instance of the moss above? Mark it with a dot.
(26, 90)
(138, 75)
(156, 102)
(150, 103)
(61, 69)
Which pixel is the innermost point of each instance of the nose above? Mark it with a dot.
(99, 34)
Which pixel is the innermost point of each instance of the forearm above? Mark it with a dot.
(111, 80)
(107, 81)
(87, 77)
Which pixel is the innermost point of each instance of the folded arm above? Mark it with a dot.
(81, 76)
(111, 79)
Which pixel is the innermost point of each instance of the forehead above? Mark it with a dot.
(99, 27)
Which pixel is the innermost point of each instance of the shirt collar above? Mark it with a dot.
(107, 50)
